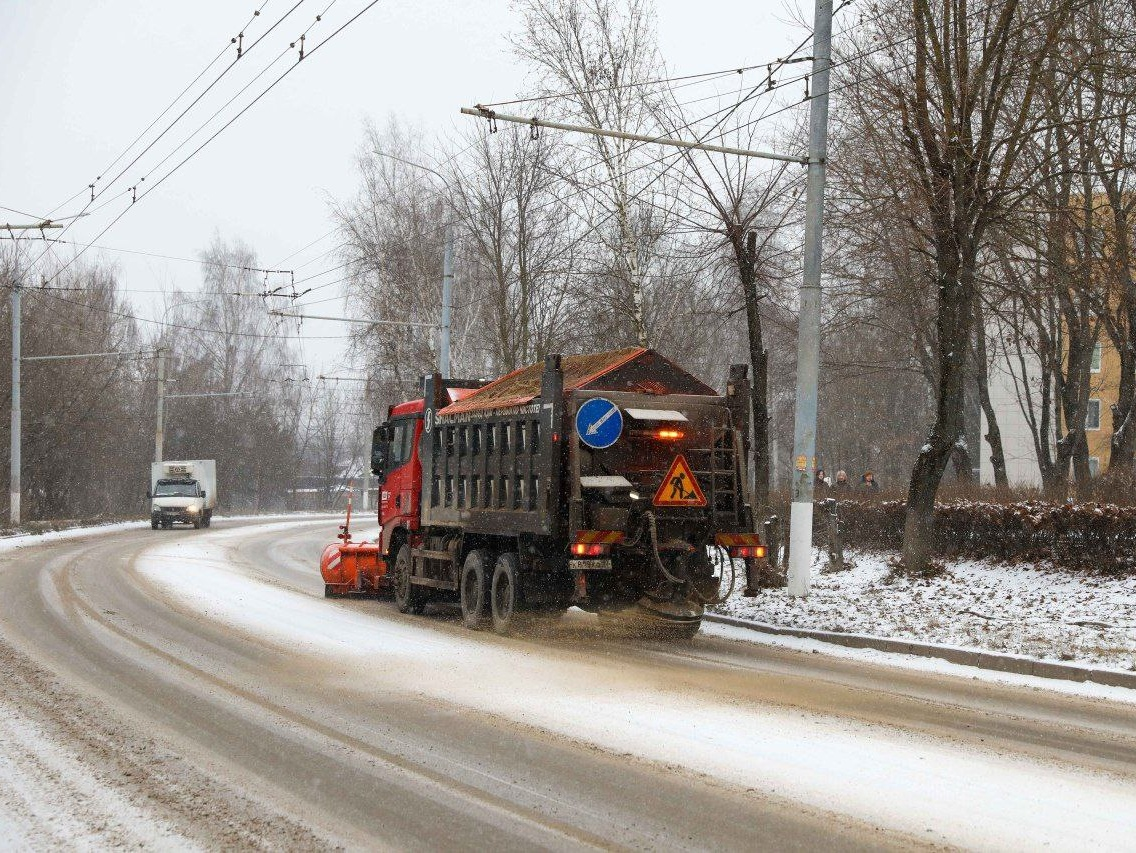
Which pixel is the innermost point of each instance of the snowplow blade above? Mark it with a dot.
(353, 568)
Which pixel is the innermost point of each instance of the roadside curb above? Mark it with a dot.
(999, 662)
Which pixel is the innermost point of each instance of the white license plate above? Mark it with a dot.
(589, 565)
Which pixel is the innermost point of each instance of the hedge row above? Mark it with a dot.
(1083, 535)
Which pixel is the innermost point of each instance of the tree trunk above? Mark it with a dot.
(953, 327)
(993, 432)
(759, 363)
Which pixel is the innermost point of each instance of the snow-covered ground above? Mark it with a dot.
(23, 540)
(1028, 610)
(947, 792)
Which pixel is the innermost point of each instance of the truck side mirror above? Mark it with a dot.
(379, 451)
(203, 493)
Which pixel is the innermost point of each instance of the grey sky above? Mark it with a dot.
(81, 79)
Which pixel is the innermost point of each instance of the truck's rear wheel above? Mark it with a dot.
(503, 592)
(408, 598)
(474, 591)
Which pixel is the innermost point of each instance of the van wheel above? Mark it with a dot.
(475, 587)
(408, 598)
(503, 592)
(155, 523)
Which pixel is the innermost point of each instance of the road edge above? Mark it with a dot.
(994, 661)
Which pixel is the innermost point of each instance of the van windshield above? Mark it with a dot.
(176, 490)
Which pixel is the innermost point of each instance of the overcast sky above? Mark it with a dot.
(82, 79)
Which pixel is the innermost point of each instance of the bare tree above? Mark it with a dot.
(965, 112)
(598, 54)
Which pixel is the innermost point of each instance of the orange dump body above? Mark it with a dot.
(353, 567)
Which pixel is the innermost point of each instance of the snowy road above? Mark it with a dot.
(192, 689)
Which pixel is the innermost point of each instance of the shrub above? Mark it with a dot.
(1074, 535)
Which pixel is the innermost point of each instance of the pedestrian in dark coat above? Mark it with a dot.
(868, 483)
(841, 489)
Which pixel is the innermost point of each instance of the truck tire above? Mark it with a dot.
(474, 587)
(503, 592)
(408, 598)
(208, 518)
(197, 523)
(155, 523)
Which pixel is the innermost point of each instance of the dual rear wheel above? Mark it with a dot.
(488, 590)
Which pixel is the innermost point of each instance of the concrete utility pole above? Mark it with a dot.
(808, 334)
(160, 419)
(14, 448)
(14, 457)
(447, 303)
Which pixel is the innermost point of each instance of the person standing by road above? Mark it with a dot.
(821, 485)
(869, 484)
(841, 488)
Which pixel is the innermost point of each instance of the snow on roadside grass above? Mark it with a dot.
(1028, 610)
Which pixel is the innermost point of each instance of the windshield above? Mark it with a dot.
(176, 490)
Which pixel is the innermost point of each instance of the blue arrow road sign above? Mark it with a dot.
(599, 423)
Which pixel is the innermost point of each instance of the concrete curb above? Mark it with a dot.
(1019, 664)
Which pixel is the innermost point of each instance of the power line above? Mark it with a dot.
(225, 126)
(199, 261)
(171, 105)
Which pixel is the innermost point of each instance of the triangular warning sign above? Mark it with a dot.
(679, 486)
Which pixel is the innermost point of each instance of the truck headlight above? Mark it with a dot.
(191, 509)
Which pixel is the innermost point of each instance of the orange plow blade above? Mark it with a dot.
(352, 568)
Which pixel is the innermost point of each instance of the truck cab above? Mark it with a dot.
(178, 500)
(396, 463)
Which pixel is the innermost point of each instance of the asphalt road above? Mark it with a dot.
(193, 689)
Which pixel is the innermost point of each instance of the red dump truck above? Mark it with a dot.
(612, 481)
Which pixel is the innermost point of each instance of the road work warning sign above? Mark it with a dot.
(679, 486)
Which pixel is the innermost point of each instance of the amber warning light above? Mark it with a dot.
(757, 551)
(669, 434)
(584, 549)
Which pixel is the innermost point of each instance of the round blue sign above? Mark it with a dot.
(599, 423)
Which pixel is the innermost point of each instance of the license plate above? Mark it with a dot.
(589, 565)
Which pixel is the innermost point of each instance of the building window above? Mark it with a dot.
(1096, 368)
(1092, 419)
(1094, 467)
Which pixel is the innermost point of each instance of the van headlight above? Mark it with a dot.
(191, 509)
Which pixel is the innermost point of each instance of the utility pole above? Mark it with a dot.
(14, 457)
(808, 334)
(160, 421)
(14, 450)
(447, 303)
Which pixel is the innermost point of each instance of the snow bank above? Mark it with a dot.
(1027, 610)
(935, 789)
(23, 540)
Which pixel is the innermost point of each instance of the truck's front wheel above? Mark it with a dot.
(408, 598)
(503, 592)
(155, 523)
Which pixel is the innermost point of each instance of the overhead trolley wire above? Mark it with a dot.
(189, 86)
(227, 124)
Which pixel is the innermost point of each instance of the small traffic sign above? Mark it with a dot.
(679, 486)
(599, 423)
